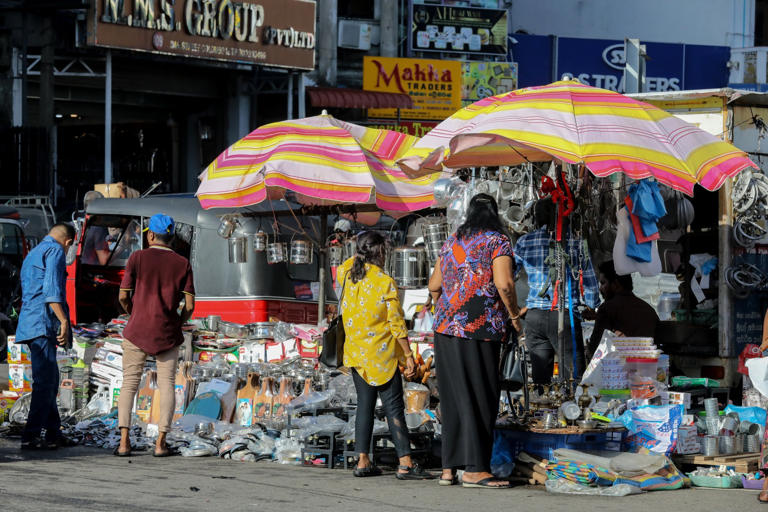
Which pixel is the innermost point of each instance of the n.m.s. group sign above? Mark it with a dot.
(270, 32)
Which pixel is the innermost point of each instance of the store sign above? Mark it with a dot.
(600, 63)
(436, 28)
(416, 128)
(433, 85)
(482, 79)
(270, 32)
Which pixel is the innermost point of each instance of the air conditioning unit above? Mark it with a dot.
(354, 34)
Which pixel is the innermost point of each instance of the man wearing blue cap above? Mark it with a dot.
(155, 282)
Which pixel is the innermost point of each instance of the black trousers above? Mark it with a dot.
(468, 380)
(391, 395)
(541, 340)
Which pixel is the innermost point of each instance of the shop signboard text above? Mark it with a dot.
(436, 28)
(270, 32)
(434, 85)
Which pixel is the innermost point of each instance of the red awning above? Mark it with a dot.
(355, 98)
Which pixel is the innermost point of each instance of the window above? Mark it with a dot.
(110, 239)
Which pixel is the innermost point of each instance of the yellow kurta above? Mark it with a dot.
(373, 322)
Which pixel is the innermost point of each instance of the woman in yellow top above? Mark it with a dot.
(376, 339)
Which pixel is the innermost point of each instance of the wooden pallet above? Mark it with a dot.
(743, 463)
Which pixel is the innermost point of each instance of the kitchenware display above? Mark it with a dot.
(301, 252)
(237, 249)
(212, 322)
(409, 267)
(277, 252)
(260, 241)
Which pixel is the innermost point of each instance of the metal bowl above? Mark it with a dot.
(588, 424)
(261, 330)
(233, 330)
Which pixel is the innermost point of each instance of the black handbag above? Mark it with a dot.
(332, 354)
(513, 372)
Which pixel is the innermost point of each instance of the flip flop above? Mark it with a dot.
(449, 481)
(764, 502)
(414, 472)
(485, 483)
(166, 453)
(118, 453)
(367, 471)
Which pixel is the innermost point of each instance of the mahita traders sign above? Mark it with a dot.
(270, 32)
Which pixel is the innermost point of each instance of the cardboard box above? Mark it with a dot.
(20, 378)
(111, 189)
(676, 397)
(18, 353)
(687, 440)
(105, 371)
(6, 402)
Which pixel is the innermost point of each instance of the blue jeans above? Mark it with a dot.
(43, 411)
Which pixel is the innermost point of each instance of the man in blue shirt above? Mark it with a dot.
(43, 325)
(532, 252)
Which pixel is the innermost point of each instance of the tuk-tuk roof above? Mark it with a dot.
(182, 207)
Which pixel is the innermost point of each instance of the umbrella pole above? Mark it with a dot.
(562, 363)
(322, 275)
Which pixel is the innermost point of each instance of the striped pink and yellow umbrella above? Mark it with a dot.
(576, 123)
(323, 161)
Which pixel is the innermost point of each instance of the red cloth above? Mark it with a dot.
(750, 352)
(158, 278)
(636, 227)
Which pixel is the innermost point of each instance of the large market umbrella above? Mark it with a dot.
(575, 123)
(322, 161)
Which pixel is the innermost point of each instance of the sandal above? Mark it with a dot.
(164, 453)
(454, 480)
(35, 444)
(485, 483)
(764, 502)
(118, 453)
(414, 472)
(367, 471)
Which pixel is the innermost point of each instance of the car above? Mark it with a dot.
(13, 249)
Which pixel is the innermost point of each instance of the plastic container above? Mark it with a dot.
(718, 482)
(642, 373)
(544, 445)
(748, 483)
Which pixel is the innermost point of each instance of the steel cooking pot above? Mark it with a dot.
(301, 252)
(260, 242)
(237, 251)
(261, 330)
(277, 252)
(226, 227)
(233, 330)
(335, 255)
(409, 267)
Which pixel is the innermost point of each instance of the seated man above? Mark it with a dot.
(622, 312)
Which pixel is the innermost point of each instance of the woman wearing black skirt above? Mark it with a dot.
(474, 291)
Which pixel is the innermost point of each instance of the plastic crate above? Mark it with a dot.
(512, 442)
(718, 482)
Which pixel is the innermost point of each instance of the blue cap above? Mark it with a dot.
(162, 224)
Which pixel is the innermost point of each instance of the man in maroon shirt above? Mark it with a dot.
(156, 281)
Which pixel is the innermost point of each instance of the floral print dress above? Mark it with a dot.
(469, 305)
(373, 322)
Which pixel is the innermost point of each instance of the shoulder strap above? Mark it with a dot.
(343, 285)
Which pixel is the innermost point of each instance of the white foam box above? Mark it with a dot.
(20, 377)
(105, 371)
(676, 397)
(18, 353)
(687, 440)
(110, 358)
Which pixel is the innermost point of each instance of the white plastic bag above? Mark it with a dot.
(758, 374)
(624, 264)
(593, 374)
(424, 322)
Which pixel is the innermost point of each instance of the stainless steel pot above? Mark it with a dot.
(261, 330)
(301, 252)
(409, 267)
(226, 227)
(277, 252)
(335, 255)
(237, 251)
(435, 233)
(260, 242)
(350, 248)
(233, 330)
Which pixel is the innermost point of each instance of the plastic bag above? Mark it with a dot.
(288, 451)
(423, 322)
(311, 401)
(593, 374)
(758, 374)
(653, 427)
(344, 392)
(750, 351)
(20, 409)
(562, 486)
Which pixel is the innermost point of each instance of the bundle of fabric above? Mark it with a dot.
(649, 472)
